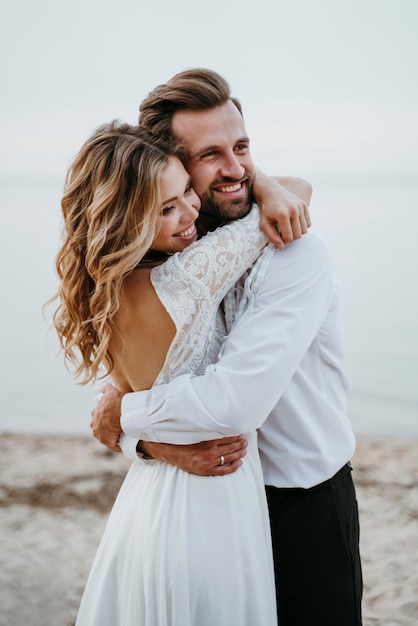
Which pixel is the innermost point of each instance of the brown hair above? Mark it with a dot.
(192, 89)
(111, 205)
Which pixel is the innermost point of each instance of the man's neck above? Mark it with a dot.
(206, 223)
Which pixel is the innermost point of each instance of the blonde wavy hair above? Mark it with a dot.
(111, 205)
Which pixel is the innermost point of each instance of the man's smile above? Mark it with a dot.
(230, 187)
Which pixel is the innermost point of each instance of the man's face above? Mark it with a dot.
(217, 158)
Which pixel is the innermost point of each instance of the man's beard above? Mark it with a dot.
(227, 210)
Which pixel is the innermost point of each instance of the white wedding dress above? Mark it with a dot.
(181, 549)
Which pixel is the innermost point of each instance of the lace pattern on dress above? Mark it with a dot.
(191, 286)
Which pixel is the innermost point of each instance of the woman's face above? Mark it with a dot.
(179, 210)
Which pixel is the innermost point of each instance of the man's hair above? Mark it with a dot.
(197, 89)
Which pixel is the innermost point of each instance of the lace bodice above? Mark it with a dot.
(191, 286)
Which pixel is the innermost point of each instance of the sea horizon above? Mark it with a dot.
(370, 228)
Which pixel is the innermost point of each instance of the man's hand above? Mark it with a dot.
(105, 422)
(217, 457)
(283, 202)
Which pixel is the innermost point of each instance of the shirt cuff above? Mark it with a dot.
(134, 420)
(128, 447)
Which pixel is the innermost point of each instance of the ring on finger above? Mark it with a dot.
(222, 459)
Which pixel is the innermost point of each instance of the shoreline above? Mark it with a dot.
(56, 491)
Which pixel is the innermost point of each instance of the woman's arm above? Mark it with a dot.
(283, 202)
(220, 258)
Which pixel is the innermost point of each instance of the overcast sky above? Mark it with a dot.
(329, 87)
(329, 90)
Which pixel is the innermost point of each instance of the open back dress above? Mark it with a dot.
(181, 549)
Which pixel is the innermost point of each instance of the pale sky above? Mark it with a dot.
(329, 90)
(329, 87)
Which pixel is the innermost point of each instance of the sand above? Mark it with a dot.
(55, 493)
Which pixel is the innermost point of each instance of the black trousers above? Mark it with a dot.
(316, 553)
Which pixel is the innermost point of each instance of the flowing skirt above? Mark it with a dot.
(184, 550)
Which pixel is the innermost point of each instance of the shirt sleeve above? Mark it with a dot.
(259, 357)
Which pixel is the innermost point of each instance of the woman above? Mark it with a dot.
(140, 296)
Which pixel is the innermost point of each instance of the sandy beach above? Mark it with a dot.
(56, 491)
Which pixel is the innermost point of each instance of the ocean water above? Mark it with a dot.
(371, 228)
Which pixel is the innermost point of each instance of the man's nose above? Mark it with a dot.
(232, 168)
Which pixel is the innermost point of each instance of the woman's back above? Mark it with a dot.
(168, 319)
(145, 333)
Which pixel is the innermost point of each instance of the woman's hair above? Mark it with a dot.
(111, 205)
(197, 89)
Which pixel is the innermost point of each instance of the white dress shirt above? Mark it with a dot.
(280, 371)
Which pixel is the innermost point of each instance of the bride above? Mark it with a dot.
(140, 296)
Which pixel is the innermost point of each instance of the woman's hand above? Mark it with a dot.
(283, 202)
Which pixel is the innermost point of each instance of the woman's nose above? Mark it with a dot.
(191, 208)
(195, 200)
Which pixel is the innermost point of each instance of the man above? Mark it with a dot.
(280, 371)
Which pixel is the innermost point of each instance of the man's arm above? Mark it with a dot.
(208, 458)
(259, 357)
(263, 350)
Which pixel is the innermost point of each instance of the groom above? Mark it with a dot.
(280, 372)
